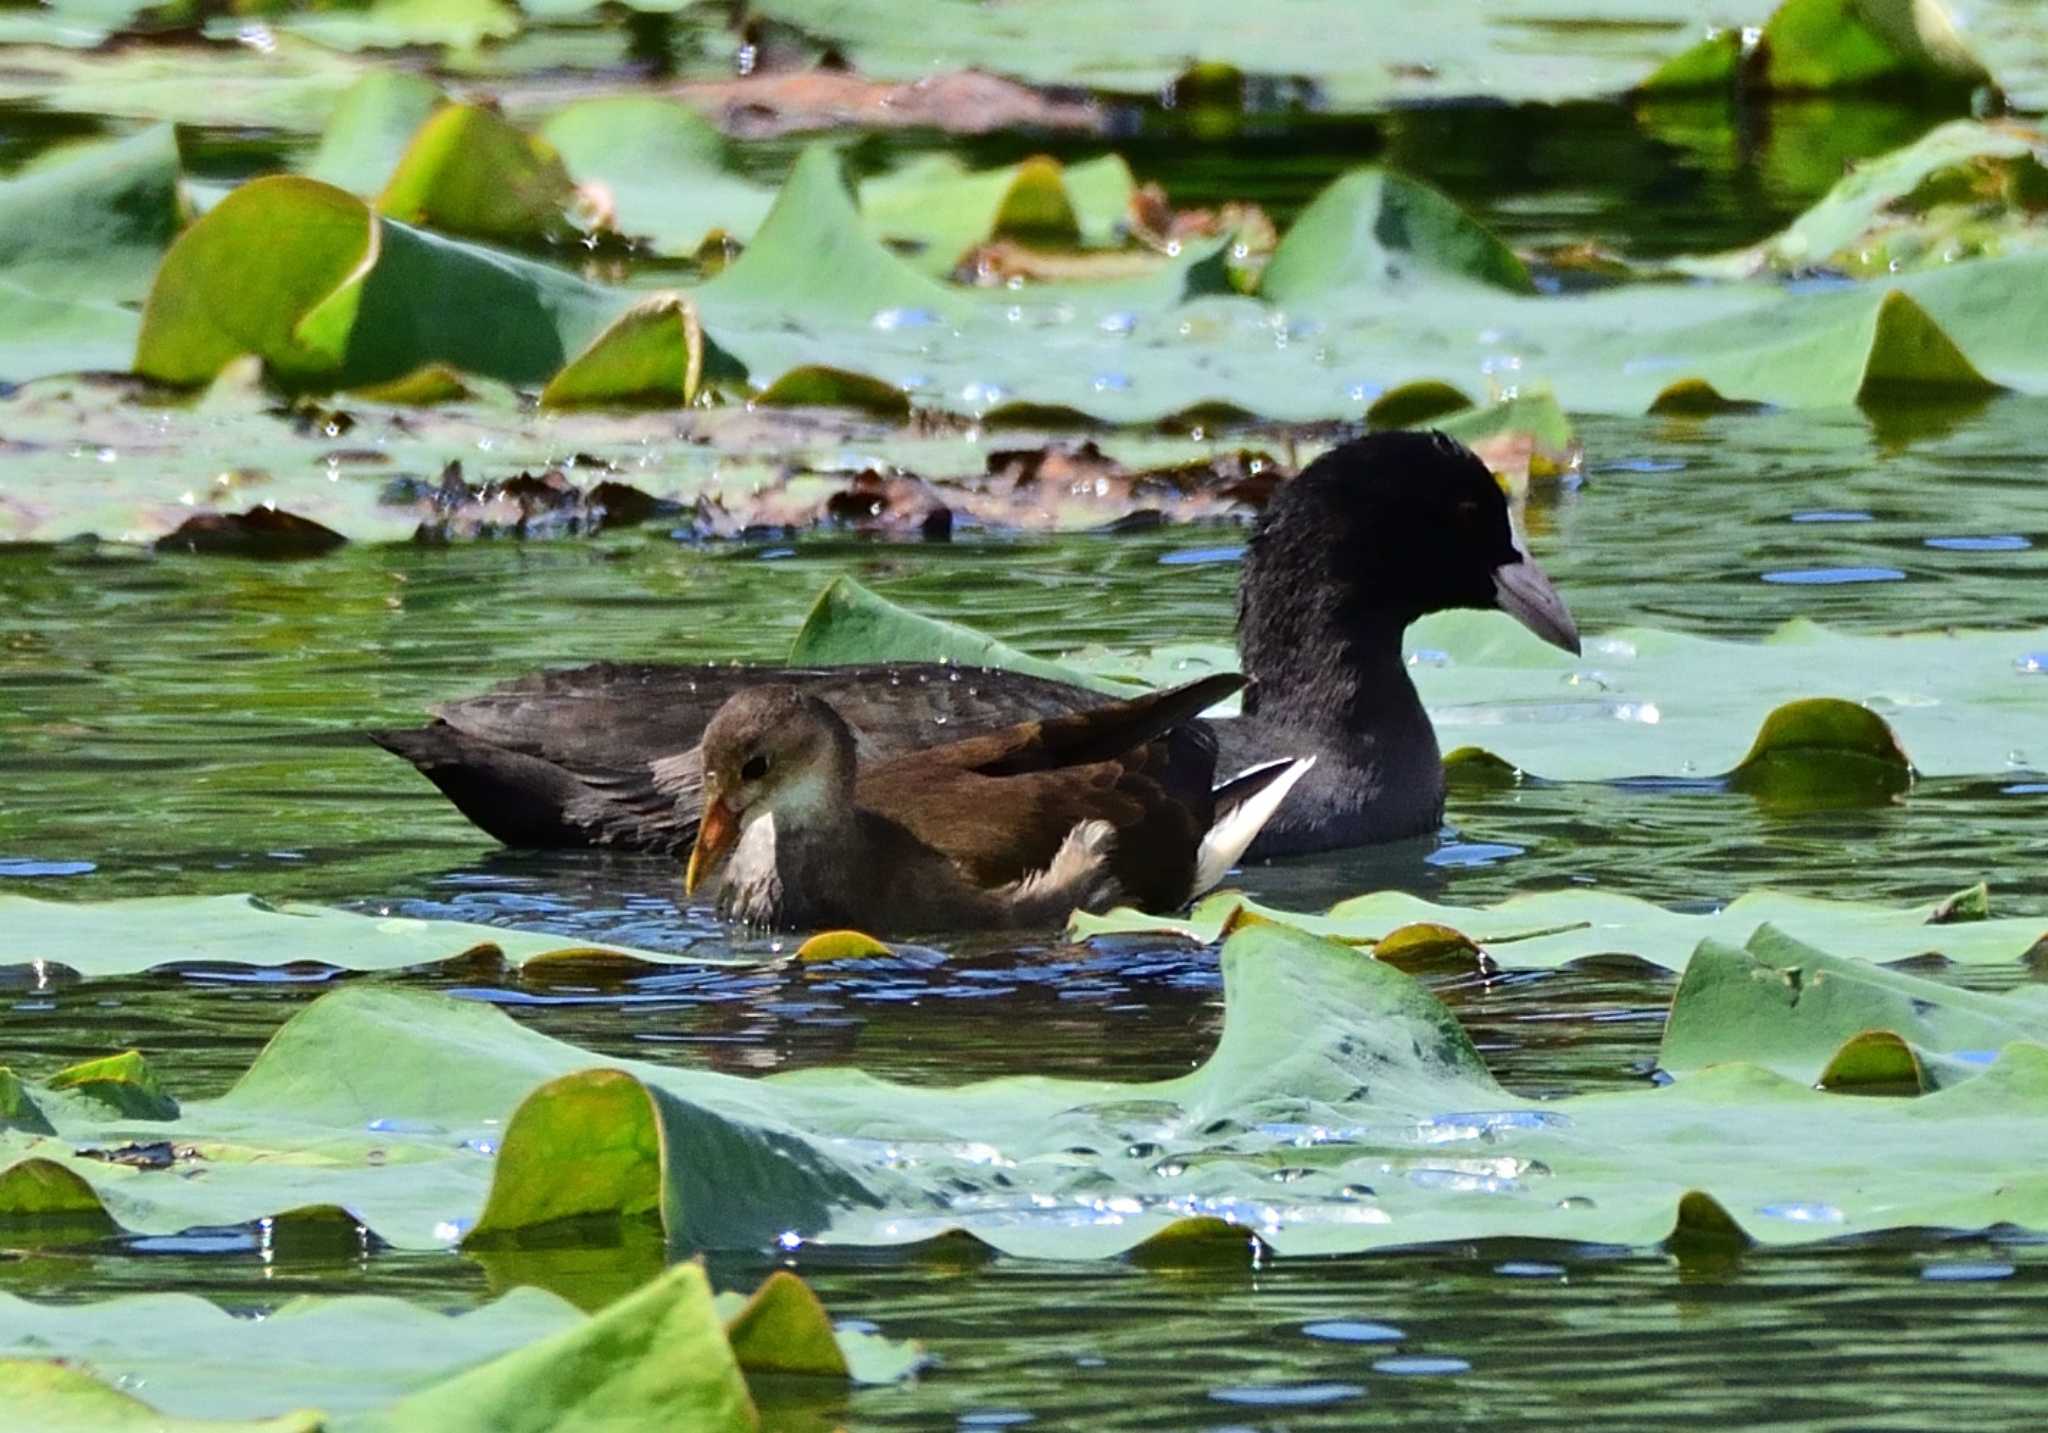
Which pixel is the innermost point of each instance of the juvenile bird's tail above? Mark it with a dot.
(1243, 805)
(1077, 878)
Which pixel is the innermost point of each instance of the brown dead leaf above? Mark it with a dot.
(762, 106)
(552, 503)
(260, 532)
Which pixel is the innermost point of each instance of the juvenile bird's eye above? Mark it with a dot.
(755, 768)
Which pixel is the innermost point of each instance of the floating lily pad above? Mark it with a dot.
(1819, 45)
(469, 171)
(935, 211)
(147, 932)
(1550, 928)
(80, 237)
(1330, 1063)
(1816, 1017)
(1664, 703)
(371, 129)
(525, 1360)
(664, 172)
(1964, 190)
(355, 299)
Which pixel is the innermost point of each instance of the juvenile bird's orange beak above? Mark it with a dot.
(716, 832)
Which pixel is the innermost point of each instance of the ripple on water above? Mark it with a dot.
(1461, 855)
(29, 866)
(1999, 542)
(1194, 556)
(1353, 1331)
(1286, 1395)
(1422, 1365)
(1834, 576)
(1801, 1211)
(1966, 1273)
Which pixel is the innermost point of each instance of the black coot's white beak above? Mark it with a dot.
(1523, 591)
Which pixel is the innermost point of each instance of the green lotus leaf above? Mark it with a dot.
(1412, 404)
(148, 932)
(1819, 45)
(1330, 1063)
(42, 1191)
(293, 85)
(1390, 281)
(1372, 229)
(1823, 752)
(1550, 928)
(1666, 703)
(1357, 58)
(850, 624)
(782, 1328)
(124, 1084)
(395, 24)
(57, 1398)
(657, 1356)
(230, 287)
(935, 211)
(18, 1109)
(653, 353)
(80, 235)
(1812, 1016)
(371, 130)
(818, 386)
(469, 171)
(666, 171)
(353, 299)
(1966, 188)
(528, 1359)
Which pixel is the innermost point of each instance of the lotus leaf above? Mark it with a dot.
(1963, 190)
(1332, 1067)
(469, 171)
(80, 236)
(1781, 1003)
(527, 1359)
(152, 931)
(664, 170)
(1665, 703)
(355, 299)
(1550, 928)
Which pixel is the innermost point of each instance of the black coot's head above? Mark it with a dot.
(1378, 532)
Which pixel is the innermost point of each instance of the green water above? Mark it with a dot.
(180, 724)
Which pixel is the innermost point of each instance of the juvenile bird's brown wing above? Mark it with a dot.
(1000, 805)
(606, 754)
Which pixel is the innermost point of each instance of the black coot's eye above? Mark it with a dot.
(755, 769)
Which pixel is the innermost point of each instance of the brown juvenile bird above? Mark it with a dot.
(1016, 827)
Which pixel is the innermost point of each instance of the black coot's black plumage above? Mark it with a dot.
(1370, 536)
